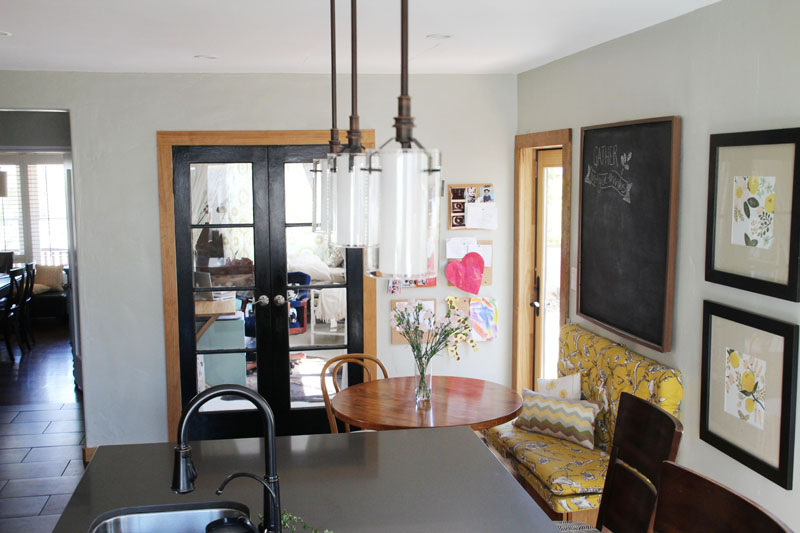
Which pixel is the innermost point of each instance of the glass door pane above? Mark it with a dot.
(223, 251)
(317, 293)
(551, 274)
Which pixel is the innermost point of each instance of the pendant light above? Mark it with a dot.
(354, 186)
(410, 183)
(322, 168)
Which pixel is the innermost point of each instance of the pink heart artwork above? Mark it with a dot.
(467, 273)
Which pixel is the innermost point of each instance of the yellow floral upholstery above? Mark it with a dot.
(570, 477)
(566, 475)
(608, 369)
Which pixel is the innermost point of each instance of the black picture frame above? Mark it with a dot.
(628, 228)
(753, 260)
(709, 409)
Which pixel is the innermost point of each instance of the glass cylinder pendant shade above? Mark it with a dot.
(354, 200)
(409, 215)
(321, 208)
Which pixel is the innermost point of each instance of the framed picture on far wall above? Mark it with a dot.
(753, 227)
(748, 391)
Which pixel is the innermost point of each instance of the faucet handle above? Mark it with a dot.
(272, 508)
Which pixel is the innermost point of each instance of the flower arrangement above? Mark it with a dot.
(427, 336)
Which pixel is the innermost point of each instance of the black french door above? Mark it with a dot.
(262, 301)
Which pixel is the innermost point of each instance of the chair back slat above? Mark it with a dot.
(6, 262)
(338, 363)
(688, 501)
(30, 279)
(16, 295)
(645, 436)
(629, 507)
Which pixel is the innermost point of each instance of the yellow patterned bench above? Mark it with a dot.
(569, 478)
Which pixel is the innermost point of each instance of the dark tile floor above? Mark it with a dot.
(41, 433)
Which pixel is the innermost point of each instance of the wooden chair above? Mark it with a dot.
(9, 312)
(24, 314)
(688, 501)
(644, 437)
(338, 363)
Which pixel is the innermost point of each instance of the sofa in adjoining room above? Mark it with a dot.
(50, 293)
(567, 478)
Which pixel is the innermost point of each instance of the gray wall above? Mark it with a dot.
(729, 67)
(114, 122)
(34, 130)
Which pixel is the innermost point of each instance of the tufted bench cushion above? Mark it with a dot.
(568, 477)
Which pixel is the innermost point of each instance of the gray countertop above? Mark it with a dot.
(415, 480)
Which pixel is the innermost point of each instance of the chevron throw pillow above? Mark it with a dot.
(572, 420)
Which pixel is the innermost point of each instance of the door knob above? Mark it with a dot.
(263, 300)
(279, 300)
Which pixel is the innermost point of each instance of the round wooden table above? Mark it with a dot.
(455, 401)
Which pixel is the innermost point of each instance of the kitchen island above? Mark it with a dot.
(413, 480)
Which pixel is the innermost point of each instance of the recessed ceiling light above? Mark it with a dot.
(5, 34)
(205, 56)
(438, 36)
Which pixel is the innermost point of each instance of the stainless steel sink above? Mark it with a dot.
(187, 518)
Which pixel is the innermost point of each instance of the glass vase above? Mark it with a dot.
(424, 382)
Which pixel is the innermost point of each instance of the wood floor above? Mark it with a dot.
(41, 433)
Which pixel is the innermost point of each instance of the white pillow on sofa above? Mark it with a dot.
(566, 388)
(52, 276)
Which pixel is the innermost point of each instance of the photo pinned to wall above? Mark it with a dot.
(748, 389)
(753, 230)
(395, 286)
(427, 305)
(472, 206)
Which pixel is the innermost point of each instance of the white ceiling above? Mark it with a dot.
(501, 36)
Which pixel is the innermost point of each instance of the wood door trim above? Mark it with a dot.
(524, 238)
(165, 140)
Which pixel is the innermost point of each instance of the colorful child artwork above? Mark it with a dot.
(483, 316)
(461, 305)
(745, 391)
(753, 211)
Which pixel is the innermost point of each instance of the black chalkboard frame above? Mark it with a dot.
(663, 341)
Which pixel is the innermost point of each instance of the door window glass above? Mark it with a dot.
(222, 193)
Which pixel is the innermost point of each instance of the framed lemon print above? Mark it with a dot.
(749, 389)
(753, 230)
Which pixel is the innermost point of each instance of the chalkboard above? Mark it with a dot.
(627, 228)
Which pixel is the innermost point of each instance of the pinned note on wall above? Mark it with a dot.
(458, 247)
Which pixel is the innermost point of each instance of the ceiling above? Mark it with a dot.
(292, 36)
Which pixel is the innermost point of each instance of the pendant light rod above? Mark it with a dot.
(334, 142)
(354, 133)
(404, 122)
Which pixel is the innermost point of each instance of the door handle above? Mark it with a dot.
(279, 300)
(535, 303)
(263, 300)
